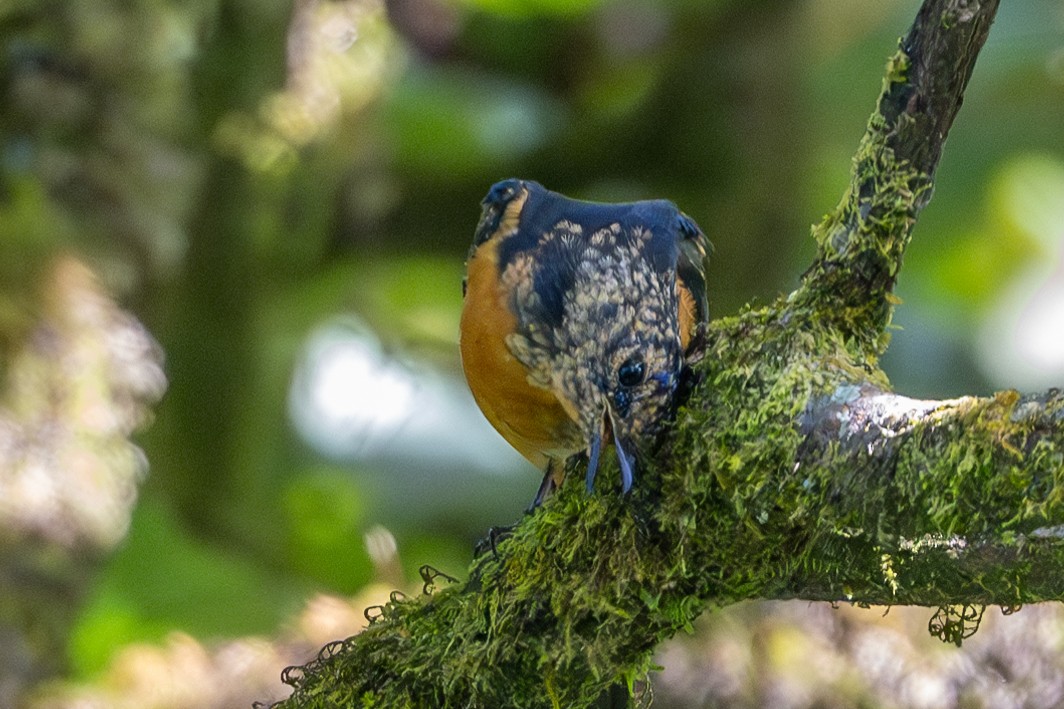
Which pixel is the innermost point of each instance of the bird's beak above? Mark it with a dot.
(594, 452)
(600, 432)
(624, 457)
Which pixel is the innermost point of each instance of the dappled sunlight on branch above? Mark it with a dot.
(76, 387)
(340, 55)
(75, 391)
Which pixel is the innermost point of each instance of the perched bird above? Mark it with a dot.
(575, 322)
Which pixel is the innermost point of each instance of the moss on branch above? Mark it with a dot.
(785, 475)
(861, 242)
(957, 499)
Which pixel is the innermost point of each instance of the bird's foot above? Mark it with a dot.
(491, 541)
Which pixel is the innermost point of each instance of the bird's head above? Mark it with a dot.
(594, 289)
(624, 357)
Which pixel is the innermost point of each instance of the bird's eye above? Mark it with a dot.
(632, 372)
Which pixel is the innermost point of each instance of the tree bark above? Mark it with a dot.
(791, 472)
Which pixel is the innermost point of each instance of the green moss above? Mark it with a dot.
(741, 502)
(861, 242)
(583, 591)
(737, 507)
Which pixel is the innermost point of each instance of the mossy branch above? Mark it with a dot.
(791, 472)
(861, 243)
(964, 502)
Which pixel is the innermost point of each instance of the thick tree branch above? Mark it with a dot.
(960, 496)
(791, 472)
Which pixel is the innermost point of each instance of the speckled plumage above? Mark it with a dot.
(596, 303)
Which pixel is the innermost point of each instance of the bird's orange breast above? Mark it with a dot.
(529, 417)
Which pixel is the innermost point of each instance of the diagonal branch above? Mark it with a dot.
(861, 243)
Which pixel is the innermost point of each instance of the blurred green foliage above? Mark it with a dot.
(28, 237)
(163, 580)
(325, 514)
(240, 171)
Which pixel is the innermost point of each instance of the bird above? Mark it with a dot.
(575, 323)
